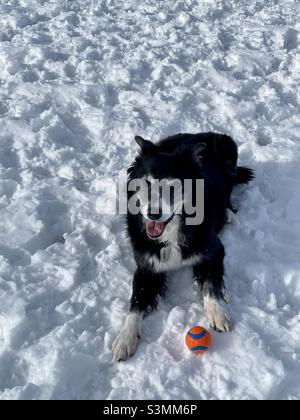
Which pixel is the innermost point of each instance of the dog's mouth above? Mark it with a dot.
(155, 229)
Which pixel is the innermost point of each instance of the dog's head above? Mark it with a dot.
(160, 181)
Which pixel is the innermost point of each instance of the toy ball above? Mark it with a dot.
(198, 340)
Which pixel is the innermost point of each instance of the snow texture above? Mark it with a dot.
(78, 79)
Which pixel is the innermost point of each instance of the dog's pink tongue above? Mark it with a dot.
(154, 229)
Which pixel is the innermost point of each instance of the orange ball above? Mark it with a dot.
(198, 340)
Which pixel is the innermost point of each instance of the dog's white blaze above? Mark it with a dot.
(216, 314)
(143, 196)
(126, 342)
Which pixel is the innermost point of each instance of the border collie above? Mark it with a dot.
(163, 240)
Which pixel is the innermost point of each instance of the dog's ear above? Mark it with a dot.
(198, 150)
(146, 145)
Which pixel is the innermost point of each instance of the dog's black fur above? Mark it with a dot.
(208, 156)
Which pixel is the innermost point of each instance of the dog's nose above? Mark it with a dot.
(154, 217)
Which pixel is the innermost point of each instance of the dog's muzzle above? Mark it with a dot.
(155, 228)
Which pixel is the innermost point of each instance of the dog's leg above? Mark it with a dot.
(148, 286)
(209, 275)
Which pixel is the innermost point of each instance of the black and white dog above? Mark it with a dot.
(164, 241)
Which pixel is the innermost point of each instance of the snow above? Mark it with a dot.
(78, 79)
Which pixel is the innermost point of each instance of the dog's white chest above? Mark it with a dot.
(171, 255)
(171, 259)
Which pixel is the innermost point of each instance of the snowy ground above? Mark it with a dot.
(78, 79)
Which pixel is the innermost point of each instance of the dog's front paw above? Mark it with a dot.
(217, 316)
(126, 342)
(124, 346)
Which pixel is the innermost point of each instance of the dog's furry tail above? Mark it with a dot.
(244, 175)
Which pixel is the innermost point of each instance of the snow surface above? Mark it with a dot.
(78, 80)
